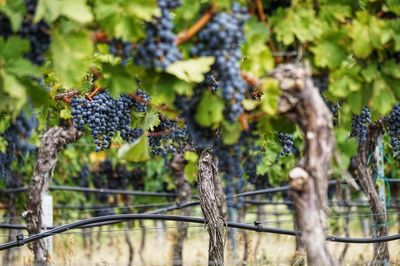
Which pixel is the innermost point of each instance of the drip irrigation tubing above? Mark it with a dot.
(146, 193)
(127, 217)
(96, 190)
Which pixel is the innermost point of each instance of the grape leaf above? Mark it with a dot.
(191, 70)
(137, 151)
(209, 111)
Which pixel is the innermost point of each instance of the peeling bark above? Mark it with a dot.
(302, 103)
(212, 202)
(364, 167)
(54, 140)
(184, 192)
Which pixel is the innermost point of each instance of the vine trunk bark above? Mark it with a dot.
(213, 205)
(301, 102)
(364, 166)
(54, 140)
(184, 192)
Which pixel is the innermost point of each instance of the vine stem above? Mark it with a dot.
(197, 26)
(260, 10)
(96, 91)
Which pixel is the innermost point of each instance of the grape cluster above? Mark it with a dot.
(169, 4)
(38, 36)
(201, 137)
(221, 38)
(273, 5)
(230, 164)
(5, 26)
(321, 82)
(359, 125)
(159, 49)
(393, 121)
(121, 48)
(17, 136)
(36, 33)
(251, 153)
(142, 99)
(286, 141)
(105, 116)
(168, 137)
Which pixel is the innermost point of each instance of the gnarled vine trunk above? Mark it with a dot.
(212, 202)
(184, 192)
(54, 140)
(364, 167)
(302, 103)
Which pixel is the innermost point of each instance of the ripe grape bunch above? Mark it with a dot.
(230, 164)
(168, 137)
(221, 38)
(36, 33)
(286, 141)
(159, 49)
(105, 116)
(393, 121)
(141, 100)
(359, 125)
(121, 49)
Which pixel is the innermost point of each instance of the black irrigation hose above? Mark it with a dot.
(126, 217)
(145, 193)
(272, 190)
(96, 190)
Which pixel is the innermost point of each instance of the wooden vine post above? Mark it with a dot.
(367, 164)
(302, 103)
(184, 192)
(213, 205)
(54, 140)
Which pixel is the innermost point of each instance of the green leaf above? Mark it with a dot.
(182, 88)
(383, 97)
(143, 9)
(13, 48)
(3, 144)
(13, 87)
(118, 79)
(12, 9)
(23, 68)
(370, 72)
(71, 53)
(65, 113)
(76, 10)
(146, 121)
(230, 132)
(137, 151)
(328, 54)
(270, 99)
(363, 33)
(191, 156)
(209, 111)
(191, 70)
(391, 68)
(346, 145)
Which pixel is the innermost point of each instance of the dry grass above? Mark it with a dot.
(273, 249)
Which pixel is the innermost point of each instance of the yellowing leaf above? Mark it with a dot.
(191, 70)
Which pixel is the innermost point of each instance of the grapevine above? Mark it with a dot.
(359, 126)
(105, 116)
(159, 48)
(393, 120)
